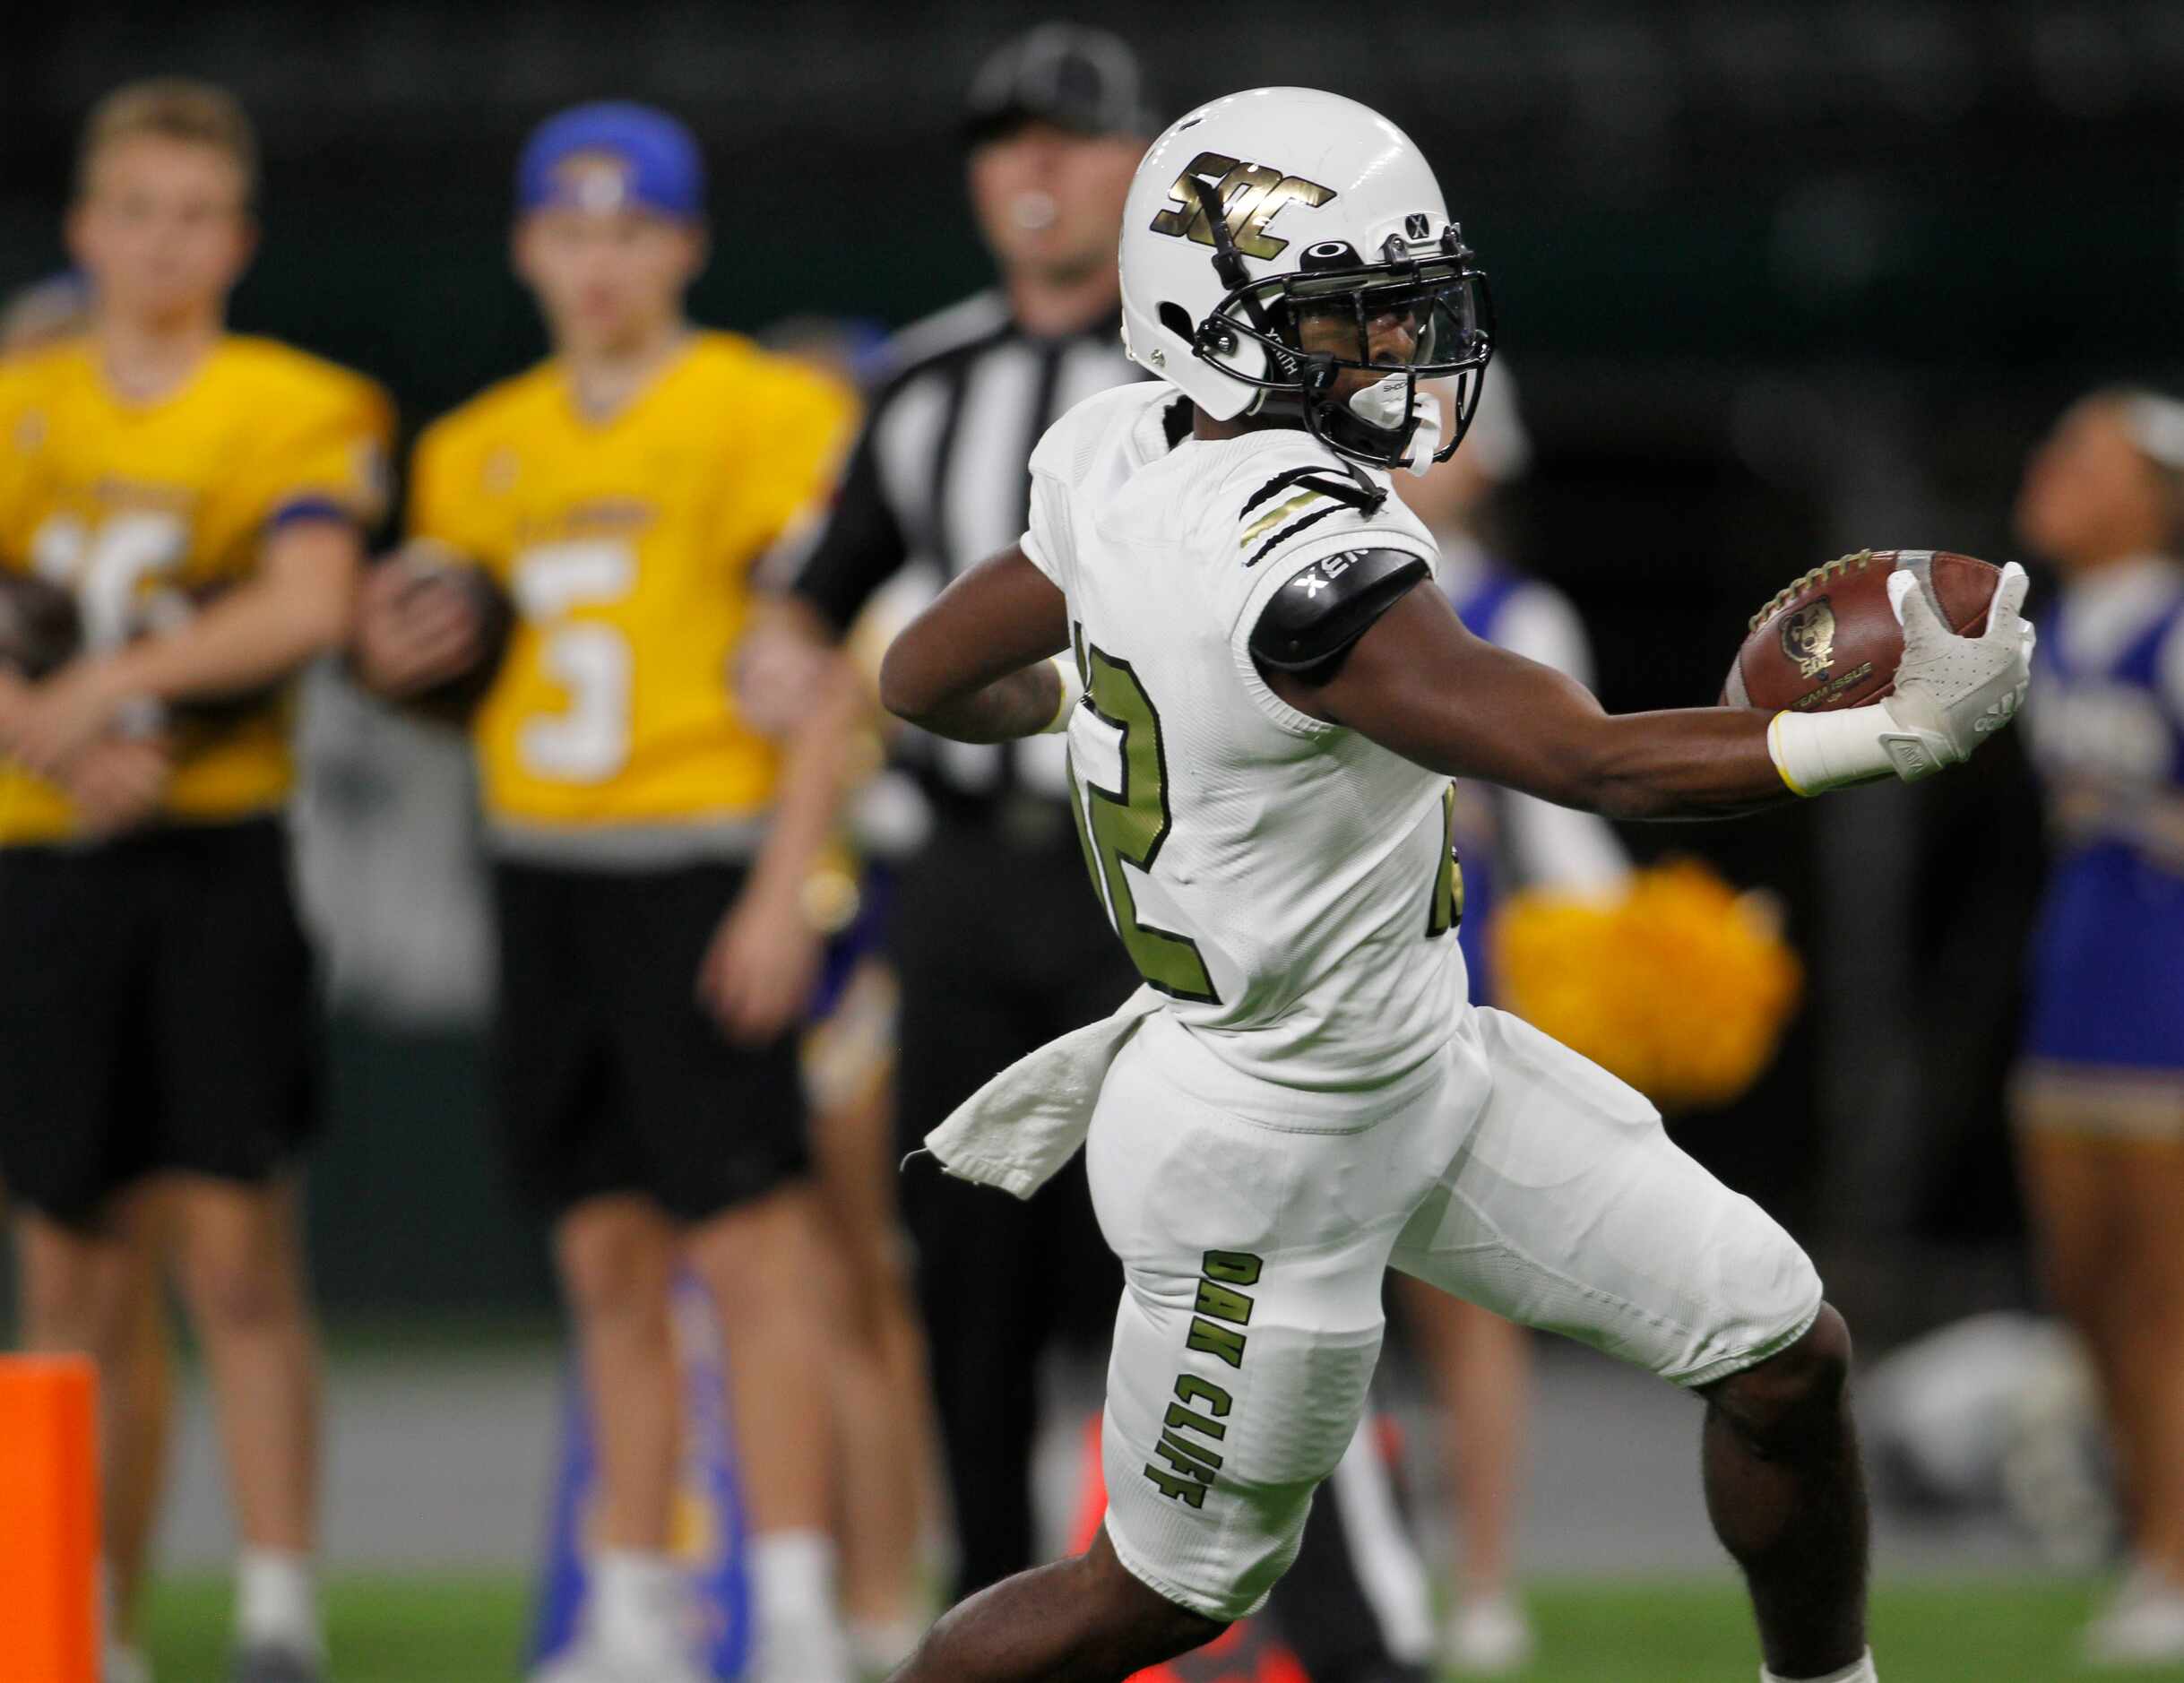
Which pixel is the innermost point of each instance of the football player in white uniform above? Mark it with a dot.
(1263, 712)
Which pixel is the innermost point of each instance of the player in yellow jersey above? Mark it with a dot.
(200, 496)
(139, 1427)
(655, 952)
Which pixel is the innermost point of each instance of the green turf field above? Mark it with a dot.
(392, 1631)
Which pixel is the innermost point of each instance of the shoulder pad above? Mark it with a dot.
(1331, 604)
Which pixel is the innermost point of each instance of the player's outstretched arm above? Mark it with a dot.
(1420, 684)
(976, 665)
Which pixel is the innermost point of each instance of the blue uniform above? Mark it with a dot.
(2106, 970)
(1479, 842)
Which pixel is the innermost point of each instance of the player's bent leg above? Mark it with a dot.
(1787, 1496)
(1081, 1620)
(1357, 1604)
(1226, 1407)
(242, 1276)
(1570, 1210)
(760, 1261)
(1254, 1255)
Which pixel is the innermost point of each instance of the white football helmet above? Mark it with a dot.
(1265, 209)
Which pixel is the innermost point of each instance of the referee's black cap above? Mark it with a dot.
(1084, 80)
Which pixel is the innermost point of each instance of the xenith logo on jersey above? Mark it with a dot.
(1322, 573)
(1221, 1309)
(1248, 194)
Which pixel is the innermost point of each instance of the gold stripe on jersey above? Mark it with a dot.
(1267, 522)
(140, 506)
(627, 546)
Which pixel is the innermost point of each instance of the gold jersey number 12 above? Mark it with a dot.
(1129, 826)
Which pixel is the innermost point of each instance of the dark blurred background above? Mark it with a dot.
(1781, 281)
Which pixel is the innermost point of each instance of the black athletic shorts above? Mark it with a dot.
(612, 1077)
(157, 1012)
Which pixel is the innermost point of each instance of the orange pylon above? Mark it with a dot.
(48, 1520)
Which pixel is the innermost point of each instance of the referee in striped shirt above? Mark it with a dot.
(998, 944)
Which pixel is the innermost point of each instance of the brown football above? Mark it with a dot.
(40, 629)
(1830, 640)
(459, 696)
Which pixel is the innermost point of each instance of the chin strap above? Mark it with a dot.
(1228, 261)
(1375, 495)
(1317, 376)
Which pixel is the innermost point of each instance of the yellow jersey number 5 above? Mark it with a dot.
(588, 741)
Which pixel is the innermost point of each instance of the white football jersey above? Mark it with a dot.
(1286, 883)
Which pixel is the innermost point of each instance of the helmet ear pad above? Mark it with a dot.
(1233, 353)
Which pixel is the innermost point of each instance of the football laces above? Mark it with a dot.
(1782, 599)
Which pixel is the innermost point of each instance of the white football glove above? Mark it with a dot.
(1953, 692)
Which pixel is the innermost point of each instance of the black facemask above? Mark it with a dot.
(1426, 302)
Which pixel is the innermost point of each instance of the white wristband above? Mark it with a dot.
(1817, 752)
(1072, 692)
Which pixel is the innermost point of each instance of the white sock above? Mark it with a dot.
(639, 1603)
(276, 1602)
(792, 1586)
(120, 1662)
(881, 1644)
(124, 1664)
(1862, 1672)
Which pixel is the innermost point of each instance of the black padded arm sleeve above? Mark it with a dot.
(1331, 604)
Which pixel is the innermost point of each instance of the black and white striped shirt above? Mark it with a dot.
(940, 480)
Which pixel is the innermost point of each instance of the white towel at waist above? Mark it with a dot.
(1019, 1129)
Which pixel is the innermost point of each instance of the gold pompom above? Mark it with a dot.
(1681, 986)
